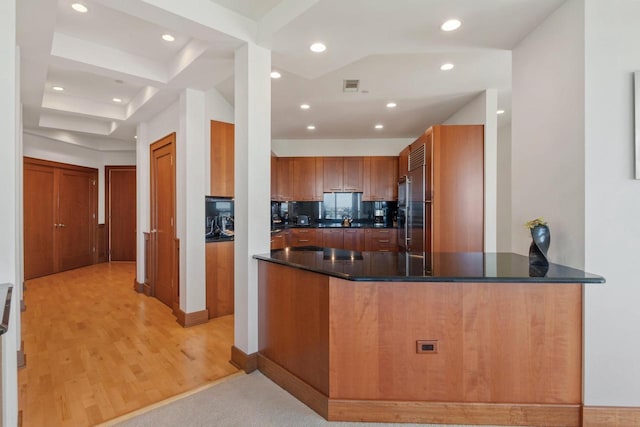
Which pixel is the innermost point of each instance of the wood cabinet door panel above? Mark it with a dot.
(381, 240)
(283, 178)
(304, 179)
(76, 219)
(352, 175)
(222, 159)
(305, 237)
(39, 221)
(333, 238)
(220, 276)
(332, 174)
(381, 179)
(354, 239)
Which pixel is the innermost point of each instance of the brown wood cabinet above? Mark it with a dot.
(381, 239)
(343, 174)
(380, 178)
(284, 187)
(219, 270)
(278, 240)
(333, 238)
(60, 217)
(354, 239)
(305, 237)
(307, 179)
(403, 162)
(454, 187)
(222, 159)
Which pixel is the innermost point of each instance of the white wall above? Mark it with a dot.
(612, 244)
(56, 151)
(339, 147)
(481, 110)
(11, 201)
(548, 134)
(504, 189)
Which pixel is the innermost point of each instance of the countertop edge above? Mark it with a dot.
(433, 279)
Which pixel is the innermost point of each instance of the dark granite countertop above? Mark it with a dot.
(436, 267)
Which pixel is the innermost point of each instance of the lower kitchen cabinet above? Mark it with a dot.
(333, 238)
(381, 240)
(353, 239)
(278, 240)
(219, 259)
(305, 237)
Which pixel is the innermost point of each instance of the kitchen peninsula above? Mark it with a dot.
(460, 338)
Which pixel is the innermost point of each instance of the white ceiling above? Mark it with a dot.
(395, 48)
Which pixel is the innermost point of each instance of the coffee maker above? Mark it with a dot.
(379, 217)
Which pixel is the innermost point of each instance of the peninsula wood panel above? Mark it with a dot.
(219, 256)
(497, 343)
(293, 322)
(222, 159)
(458, 188)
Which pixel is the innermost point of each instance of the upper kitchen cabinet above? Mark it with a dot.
(274, 176)
(403, 162)
(343, 174)
(307, 179)
(222, 160)
(380, 178)
(284, 175)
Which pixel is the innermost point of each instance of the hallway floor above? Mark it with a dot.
(96, 349)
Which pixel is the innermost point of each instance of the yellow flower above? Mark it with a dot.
(535, 222)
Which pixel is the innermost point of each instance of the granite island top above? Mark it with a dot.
(473, 267)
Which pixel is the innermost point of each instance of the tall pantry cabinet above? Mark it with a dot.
(454, 187)
(60, 221)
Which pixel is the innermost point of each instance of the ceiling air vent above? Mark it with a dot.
(350, 85)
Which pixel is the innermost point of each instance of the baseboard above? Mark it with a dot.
(22, 358)
(610, 416)
(511, 414)
(137, 286)
(298, 388)
(191, 319)
(146, 288)
(244, 361)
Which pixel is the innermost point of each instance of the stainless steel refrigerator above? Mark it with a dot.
(411, 207)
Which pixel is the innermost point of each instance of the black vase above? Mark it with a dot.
(539, 246)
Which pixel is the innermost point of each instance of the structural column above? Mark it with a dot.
(252, 185)
(9, 244)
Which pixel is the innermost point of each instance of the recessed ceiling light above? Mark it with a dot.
(117, 100)
(79, 7)
(58, 88)
(318, 47)
(311, 127)
(392, 105)
(168, 37)
(379, 126)
(275, 75)
(500, 112)
(304, 106)
(446, 67)
(451, 25)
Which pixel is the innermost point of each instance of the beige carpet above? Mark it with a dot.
(239, 400)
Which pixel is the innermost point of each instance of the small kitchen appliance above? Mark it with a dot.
(303, 220)
(379, 217)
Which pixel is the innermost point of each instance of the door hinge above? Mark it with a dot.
(93, 182)
(172, 222)
(94, 249)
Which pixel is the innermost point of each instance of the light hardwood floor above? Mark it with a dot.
(96, 349)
